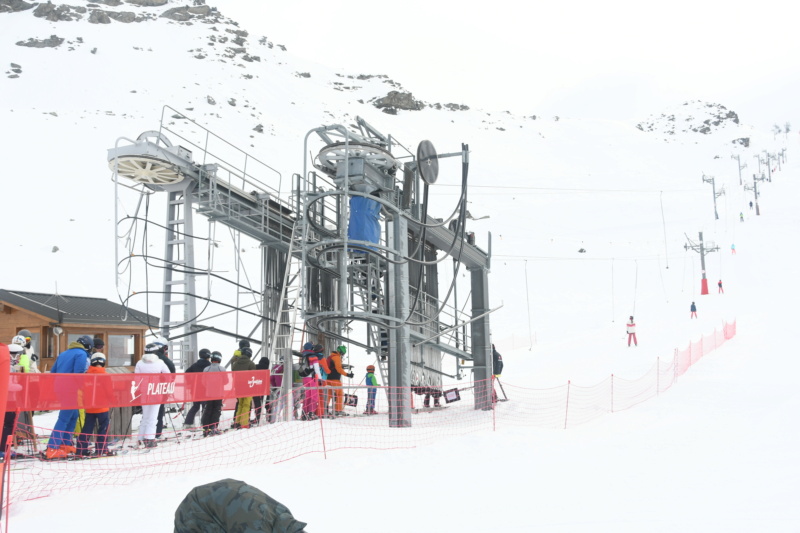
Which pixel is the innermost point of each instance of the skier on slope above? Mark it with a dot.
(693, 311)
(631, 329)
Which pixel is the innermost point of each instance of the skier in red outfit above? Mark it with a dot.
(719, 285)
(631, 329)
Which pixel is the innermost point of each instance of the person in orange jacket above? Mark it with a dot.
(97, 415)
(335, 379)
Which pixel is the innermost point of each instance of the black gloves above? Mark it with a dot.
(350, 375)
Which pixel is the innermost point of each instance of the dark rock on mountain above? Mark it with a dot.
(398, 100)
(50, 42)
(14, 5)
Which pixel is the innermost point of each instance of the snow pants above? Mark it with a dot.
(147, 427)
(100, 446)
(311, 401)
(335, 396)
(242, 416)
(62, 431)
(192, 412)
(632, 336)
(211, 414)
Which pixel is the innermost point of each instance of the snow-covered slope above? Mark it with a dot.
(550, 186)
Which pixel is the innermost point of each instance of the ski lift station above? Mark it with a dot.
(348, 251)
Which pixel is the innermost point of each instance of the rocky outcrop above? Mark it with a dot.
(55, 13)
(14, 5)
(148, 3)
(50, 42)
(396, 100)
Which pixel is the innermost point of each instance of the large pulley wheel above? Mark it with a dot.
(330, 156)
(146, 170)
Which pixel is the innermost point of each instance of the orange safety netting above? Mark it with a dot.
(293, 426)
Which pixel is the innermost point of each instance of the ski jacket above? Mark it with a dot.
(75, 360)
(214, 367)
(371, 380)
(497, 362)
(215, 382)
(229, 505)
(242, 363)
(198, 366)
(97, 370)
(335, 366)
(167, 361)
(631, 327)
(693, 308)
(150, 363)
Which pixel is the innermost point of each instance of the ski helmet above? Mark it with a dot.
(98, 359)
(247, 352)
(205, 353)
(20, 340)
(370, 368)
(341, 350)
(216, 356)
(86, 341)
(308, 346)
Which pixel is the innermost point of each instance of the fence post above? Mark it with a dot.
(612, 393)
(675, 366)
(658, 374)
(321, 417)
(566, 413)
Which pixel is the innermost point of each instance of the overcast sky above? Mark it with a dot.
(618, 59)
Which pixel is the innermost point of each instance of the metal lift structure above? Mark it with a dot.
(318, 282)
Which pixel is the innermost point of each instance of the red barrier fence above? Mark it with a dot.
(273, 440)
(52, 392)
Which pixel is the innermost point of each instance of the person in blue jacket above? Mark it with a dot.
(74, 360)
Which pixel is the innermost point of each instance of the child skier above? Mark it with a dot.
(693, 310)
(372, 383)
(98, 415)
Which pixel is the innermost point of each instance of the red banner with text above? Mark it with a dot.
(50, 392)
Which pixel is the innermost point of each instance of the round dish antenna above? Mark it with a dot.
(427, 162)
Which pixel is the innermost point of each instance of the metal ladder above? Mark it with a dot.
(283, 340)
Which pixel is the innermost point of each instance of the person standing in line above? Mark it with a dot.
(309, 375)
(213, 410)
(751, 205)
(258, 401)
(372, 391)
(10, 420)
(741, 217)
(321, 367)
(74, 360)
(97, 415)
(719, 287)
(150, 363)
(631, 329)
(161, 349)
(241, 419)
(335, 379)
(197, 366)
(693, 311)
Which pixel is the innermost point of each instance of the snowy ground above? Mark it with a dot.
(717, 452)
